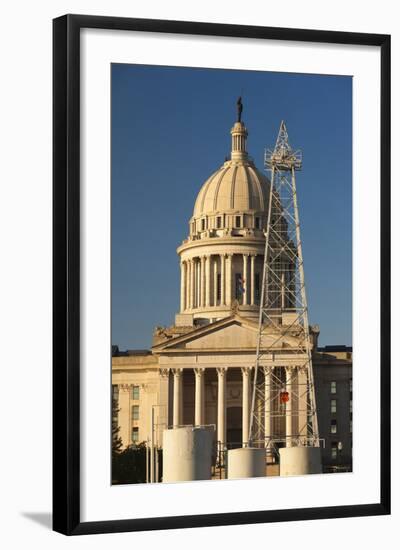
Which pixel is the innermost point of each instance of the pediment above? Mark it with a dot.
(231, 334)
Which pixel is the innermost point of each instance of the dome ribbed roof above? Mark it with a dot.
(237, 185)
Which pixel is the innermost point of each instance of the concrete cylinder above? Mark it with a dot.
(246, 462)
(187, 454)
(300, 461)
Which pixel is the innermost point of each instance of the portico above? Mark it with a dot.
(207, 380)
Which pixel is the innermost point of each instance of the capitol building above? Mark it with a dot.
(199, 370)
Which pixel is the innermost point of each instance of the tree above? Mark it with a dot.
(129, 466)
(116, 438)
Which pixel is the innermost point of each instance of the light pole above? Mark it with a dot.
(152, 446)
(153, 461)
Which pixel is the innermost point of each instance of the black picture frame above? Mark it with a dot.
(66, 273)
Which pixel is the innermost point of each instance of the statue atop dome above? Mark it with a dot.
(239, 106)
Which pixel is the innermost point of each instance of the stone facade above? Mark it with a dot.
(334, 396)
(144, 375)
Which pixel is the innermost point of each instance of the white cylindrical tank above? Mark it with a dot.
(187, 454)
(299, 461)
(246, 462)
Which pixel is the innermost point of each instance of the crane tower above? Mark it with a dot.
(283, 409)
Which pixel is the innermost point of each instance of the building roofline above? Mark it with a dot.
(116, 352)
(335, 348)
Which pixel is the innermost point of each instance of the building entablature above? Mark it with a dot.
(134, 361)
(117, 369)
(222, 245)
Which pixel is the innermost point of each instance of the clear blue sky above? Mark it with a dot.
(170, 130)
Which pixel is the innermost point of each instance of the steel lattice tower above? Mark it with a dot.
(283, 409)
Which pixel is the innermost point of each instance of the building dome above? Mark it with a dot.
(222, 256)
(234, 186)
(237, 187)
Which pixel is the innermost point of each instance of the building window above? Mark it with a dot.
(333, 386)
(333, 426)
(203, 224)
(219, 222)
(333, 406)
(257, 287)
(238, 286)
(135, 393)
(237, 221)
(115, 392)
(135, 412)
(336, 449)
(257, 223)
(135, 435)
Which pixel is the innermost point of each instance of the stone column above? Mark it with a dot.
(267, 410)
(177, 405)
(192, 282)
(289, 431)
(163, 420)
(183, 289)
(246, 374)
(223, 302)
(253, 279)
(229, 279)
(303, 400)
(283, 293)
(202, 279)
(197, 286)
(221, 421)
(187, 284)
(198, 291)
(208, 280)
(245, 280)
(198, 282)
(215, 301)
(292, 285)
(124, 413)
(199, 397)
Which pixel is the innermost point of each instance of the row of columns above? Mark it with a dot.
(199, 414)
(295, 379)
(199, 406)
(196, 281)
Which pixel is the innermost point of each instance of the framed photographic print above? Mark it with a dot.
(221, 274)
